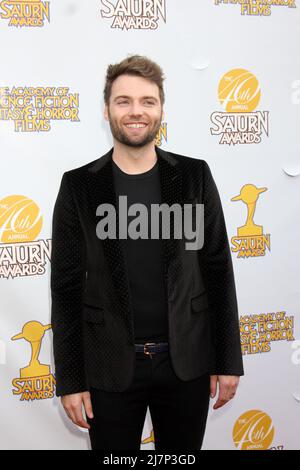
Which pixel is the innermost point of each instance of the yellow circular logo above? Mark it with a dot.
(239, 91)
(20, 219)
(253, 430)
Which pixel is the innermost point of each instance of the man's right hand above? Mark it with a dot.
(73, 407)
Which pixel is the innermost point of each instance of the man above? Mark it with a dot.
(140, 321)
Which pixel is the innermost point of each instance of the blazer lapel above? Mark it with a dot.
(101, 190)
(171, 193)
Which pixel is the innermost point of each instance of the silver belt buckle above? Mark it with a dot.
(148, 352)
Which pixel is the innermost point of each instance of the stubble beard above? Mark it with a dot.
(123, 138)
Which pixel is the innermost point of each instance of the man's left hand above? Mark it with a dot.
(227, 388)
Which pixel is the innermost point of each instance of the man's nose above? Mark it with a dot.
(135, 109)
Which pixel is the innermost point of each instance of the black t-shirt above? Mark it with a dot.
(144, 257)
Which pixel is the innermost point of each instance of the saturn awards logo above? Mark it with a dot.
(36, 382)
(250, 241)
(161, 135)
(239, 94)
(20, 223)
(137, 14)
(25, 12)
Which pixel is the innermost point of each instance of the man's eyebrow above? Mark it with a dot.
(143, 97)
(121, 96)
(150, 97)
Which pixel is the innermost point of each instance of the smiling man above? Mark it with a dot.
(139, 126)
(141, 321)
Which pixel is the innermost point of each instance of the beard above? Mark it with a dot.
(120, 135)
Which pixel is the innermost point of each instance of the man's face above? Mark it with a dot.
(134, 111)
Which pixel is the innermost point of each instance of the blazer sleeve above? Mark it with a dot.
(218, 276)
(68, 274)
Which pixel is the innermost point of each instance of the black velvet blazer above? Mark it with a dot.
(91, 314)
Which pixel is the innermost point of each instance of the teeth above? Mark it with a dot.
(135, 126)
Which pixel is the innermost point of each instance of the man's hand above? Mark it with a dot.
(227, 388)
(73, 407)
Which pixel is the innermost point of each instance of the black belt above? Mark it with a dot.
(151, 348)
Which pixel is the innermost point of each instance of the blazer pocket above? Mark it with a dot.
(199, 302)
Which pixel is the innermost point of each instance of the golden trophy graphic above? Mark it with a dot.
(33, 332)
(249, 195)
(149, 439)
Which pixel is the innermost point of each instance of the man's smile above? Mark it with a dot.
(136, 125)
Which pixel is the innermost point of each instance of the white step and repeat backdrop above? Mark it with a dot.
(233, 99)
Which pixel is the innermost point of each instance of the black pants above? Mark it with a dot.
(178, 409)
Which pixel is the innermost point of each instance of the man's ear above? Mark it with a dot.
(105, 113)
